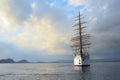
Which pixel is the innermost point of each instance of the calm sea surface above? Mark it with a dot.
(60, 71)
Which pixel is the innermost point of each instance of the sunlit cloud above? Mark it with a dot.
(34, 32)
(40, 34)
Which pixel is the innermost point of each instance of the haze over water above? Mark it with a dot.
(60, 71)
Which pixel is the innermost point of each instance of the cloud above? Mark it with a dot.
(41, 35)
(30, 27)
(12, 13)
(33, 5)
(45, 26)
(76, 2)
(104, 20)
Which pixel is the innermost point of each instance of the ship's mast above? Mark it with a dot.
(80, 31)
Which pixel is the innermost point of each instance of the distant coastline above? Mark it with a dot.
(105, 60)
(9, 60)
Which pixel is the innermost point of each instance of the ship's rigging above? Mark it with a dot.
(80, 42)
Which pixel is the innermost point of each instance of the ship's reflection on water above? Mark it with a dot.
(83, 72)
(82, 69)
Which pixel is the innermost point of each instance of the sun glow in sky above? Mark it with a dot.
(40, 30)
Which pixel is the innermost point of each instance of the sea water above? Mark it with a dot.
(60, 71)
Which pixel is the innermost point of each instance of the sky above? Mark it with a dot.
(40, 30)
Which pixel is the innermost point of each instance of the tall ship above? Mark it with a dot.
(80, 43)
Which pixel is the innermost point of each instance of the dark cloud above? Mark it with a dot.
(105, 26)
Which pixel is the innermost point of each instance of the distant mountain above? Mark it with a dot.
(23, 61)
(9, 60)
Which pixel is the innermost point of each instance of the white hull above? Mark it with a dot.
(79, 61)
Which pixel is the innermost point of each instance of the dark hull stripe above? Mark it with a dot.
(83, 65)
